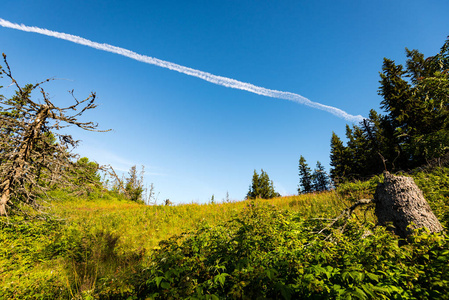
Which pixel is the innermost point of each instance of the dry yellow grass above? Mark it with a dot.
(143, 227)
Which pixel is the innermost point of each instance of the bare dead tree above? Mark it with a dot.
(34, 155)
(132, 187)
(117, 182)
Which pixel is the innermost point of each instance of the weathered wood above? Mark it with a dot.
(30, 143)
(401, 204)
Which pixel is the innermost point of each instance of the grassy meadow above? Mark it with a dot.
(102, 246)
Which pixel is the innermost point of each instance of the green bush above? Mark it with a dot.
(30, 265)
(435, 187)
(256, 251)
(267, 253)
(354, 191)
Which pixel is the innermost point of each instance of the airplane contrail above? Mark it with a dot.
(219, 80)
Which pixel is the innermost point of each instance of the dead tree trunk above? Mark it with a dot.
(30, 143)
(400, 203)
(4, 199)
(17, 168)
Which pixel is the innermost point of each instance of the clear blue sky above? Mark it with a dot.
(196, 138)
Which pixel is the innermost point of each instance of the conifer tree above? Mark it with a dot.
(320, 178)
(305, 177)
(261, 187)
(340, 160)
(134, 187)
(415, 129)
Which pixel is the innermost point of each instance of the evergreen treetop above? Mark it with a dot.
(320, 178)
(261, 187)
(415, 128)
(305, 177)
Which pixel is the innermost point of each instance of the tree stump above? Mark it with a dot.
(399, 202)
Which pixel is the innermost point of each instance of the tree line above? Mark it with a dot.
(316, 181)
(414, 129)
(412, 132)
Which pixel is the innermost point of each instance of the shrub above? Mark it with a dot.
(268, 253)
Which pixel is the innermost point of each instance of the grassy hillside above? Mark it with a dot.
(109, 248)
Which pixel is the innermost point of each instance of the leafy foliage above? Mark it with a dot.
(435, 187)
(268, 253)
(85, 179)
(94, 249)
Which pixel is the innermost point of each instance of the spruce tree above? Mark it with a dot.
(320, 178)
(415, 128)
(134, 187)
(340, 160)
(305, 177)
(416, 100)
(261, 187)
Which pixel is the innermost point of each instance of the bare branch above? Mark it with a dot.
(345, 214)
(34, 155)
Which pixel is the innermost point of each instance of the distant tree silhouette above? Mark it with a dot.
(132, 187)
(320, 178)
(261, 187)
(134, 184)
(305, 177)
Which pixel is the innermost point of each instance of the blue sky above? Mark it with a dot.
(196, 138)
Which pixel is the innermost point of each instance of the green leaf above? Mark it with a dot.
(221, 278)
(165, 285)
(271, 273)
(372, 276)
(158, 280)
(359, 293)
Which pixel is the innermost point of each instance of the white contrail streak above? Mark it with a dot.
(224, 81)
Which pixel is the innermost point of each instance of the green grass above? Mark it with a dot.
(35, 253)
(102, 246)
(143, 227)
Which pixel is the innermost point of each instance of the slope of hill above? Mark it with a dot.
(108, 248)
